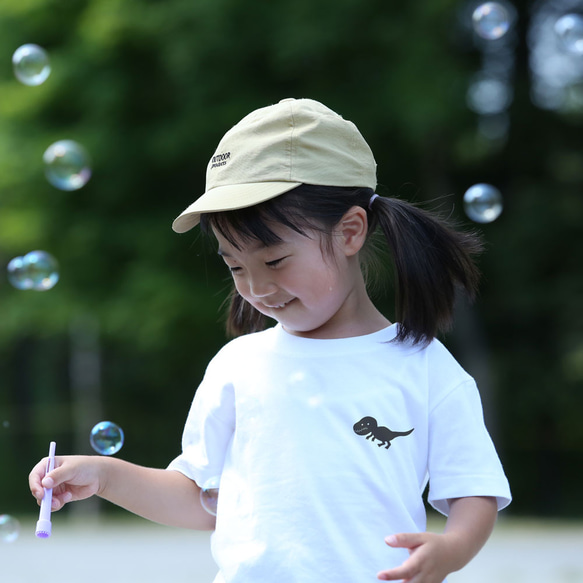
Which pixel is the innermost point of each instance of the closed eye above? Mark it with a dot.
(275, 262)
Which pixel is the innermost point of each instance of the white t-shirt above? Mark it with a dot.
(314, 474)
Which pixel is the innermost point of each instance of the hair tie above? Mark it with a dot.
(372, 199)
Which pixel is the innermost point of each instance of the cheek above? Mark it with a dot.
(243, 290)
(241, 287)
(320, 285)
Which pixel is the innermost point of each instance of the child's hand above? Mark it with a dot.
(434, 556)
(74, 478)
(429, 558)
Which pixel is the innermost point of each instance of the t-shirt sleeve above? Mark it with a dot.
(462, 458)
(209, 428)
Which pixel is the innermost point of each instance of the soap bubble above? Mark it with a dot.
(31, 64)
(37, 270)
(42, 269)
(209, 495)
(106, 438)
(67, 165)
(491, 20)
(483, 203)
(569, 29)
(18, 274)
(9, 528)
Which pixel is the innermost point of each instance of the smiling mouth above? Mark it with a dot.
(279, 306)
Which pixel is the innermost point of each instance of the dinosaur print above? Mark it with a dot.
(368, 426)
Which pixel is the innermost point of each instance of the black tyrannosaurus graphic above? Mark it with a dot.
(368, 426)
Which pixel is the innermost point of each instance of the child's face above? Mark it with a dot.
(309, 293)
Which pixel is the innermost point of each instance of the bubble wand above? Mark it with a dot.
(43, 525)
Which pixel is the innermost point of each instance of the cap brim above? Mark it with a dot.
(228, 198)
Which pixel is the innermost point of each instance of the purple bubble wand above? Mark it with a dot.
(43, 525)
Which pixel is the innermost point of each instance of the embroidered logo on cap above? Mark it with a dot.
(220, 160)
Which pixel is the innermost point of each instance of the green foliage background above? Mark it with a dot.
(149, 87)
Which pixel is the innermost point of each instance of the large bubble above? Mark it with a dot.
(37, 270)
(67, 165)
(483, 203)
(106, 438)
(31, 64)
(491, 20)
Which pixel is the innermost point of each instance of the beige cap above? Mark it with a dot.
(276, 148)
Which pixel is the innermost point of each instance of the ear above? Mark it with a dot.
(353, 227)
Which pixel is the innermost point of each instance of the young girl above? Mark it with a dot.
(325, 428)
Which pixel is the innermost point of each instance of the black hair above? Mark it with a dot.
(430, 256)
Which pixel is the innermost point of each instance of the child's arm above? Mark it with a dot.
(163, 496)
(434, 556)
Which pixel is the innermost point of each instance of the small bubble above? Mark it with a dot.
(491, 20)
(209, 495)
(106, 438)
(37, 270)
(6, 424)
(483, 203)
(569, 29)
(67, 165)
(31, 64)
(9, 528)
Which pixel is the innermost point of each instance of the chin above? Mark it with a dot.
(301, 330)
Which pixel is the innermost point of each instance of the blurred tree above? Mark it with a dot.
(149, 88)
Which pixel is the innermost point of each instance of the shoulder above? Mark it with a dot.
(245, 346)
(433, 352)
(440, 357)
(443, 364)
(228, 365)
(443, 372)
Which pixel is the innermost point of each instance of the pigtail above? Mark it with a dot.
(431, 260)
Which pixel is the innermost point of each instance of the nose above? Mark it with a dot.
(261, 287)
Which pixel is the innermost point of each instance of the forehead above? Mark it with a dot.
(284, 237)
(226, 249)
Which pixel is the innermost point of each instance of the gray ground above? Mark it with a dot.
(133, 550)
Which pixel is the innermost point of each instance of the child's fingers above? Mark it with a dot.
(60, 475)
(403, 572)
(59, 500)
(49, 482)
(68, 481)
(410, 568)
(407, 540)
(35, 480)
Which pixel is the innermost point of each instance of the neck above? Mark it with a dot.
(357, 317)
